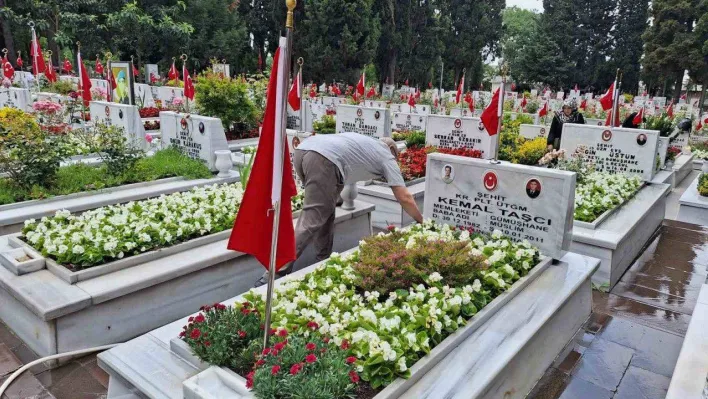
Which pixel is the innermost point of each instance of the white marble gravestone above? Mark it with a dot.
(560, 95)
(313, 113)
(24, 79)
(407, 109)
(198, 136)
(453, 132)
(99, 84)
(151, 69)
(408, 122)
(372, 122)
(681, 140)
(167, 94)
(68, 78)
(534, 93)
(375, 104)
(124, 116)
(223, 68)
(618, 150)
(143, 95)
(660, 102)
(332, 101)
(574, 94)
(388, 90)
(462, 112)
(294, 118)
(14, 97)
(524, 203)
(661, 150)
(533, 131)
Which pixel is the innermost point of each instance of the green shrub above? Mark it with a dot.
(111, 145)
(531, 151)
(662, 123)
(703, 185)
(226, 99)
(326, 125)
(62, 87)
(415, 139)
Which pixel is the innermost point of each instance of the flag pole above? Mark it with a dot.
(33, 49)
(183, 57)
(442, 68)
(281, 135)
(300, 62)
(463, 89)
(614, 99)
(81, 82)
(502, 89)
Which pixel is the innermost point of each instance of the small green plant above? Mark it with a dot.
(326, 125)
(62, 87)
(226, 99)
(245, 170)
(111, 145)
(415, 139)
(662, 123)
(531, 151)
(532, 107)
(703, 185)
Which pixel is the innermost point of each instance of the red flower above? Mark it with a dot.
(266, 351)
(311, 358)
(345, 345)
(279, 346)
(275, 369)
(195, 334)
(190, 319)
(312, 325)
(245, 311)
(246, 304)
(249, 379)
(260, 362)
(351, 359)
(354, 377)
(391, 228)
(199, 318)
(295, 368)
(242, 334)
(273, 331)
(207, 343)
(181, 334)
(283, 333)
(326, 340)
(310, 346)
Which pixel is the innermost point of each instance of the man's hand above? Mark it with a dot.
(549, 148)
(404, 197)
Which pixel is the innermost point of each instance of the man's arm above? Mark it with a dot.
(404, 197)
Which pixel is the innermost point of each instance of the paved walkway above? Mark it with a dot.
(626, 350)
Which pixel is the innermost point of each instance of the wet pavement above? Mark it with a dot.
(629, 346)
(627, 349)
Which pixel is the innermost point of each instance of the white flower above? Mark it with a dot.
(402, 364)
(435, 277)
(78, 249)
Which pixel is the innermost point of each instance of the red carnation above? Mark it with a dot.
(283, 333)
(310, 346)
(195, 334)
(354, 377)
(242, 334)
(345, 345)
(181, 334)
(295, 368)
(190, 319)
(279, 346)
(311, 358)
(312, 325)
(275, 369)
(199, 318)
(391, 228)
(266, 351)
(249, 379)
(351, 359)
(260, 362)
(207, 343)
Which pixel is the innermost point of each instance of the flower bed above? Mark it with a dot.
(388, 303)
(413, 160)
(599, 192)
(115, 232)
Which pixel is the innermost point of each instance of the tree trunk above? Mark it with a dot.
(702, 100)
(7, 34)
(678, 84)
(392, 62)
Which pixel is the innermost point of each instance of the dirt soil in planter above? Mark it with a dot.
(366, 391)
(237, 134)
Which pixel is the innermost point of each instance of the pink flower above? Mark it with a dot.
(242, 334)
(148, 138)
(275, 369)
(311, 358)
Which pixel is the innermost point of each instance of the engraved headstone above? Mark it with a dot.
(143, 95)
(167, 94)
(313, 113)
(197, 136)
(618, 150)
(533, 131)
(407, 109)
(388, 90)
(15, 97)
(408, 122)
(524, 203)
(661, 151)
(294, 118)
(461, 112)
(453, 132)
(123, 116)
(375, 104)
(151, 72)
(372, 122)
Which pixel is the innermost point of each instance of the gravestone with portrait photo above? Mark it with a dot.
(123, 116)
(375, 104)
(195, 135)
(453, 132)
(408, 122)
(618, 150)
(372, 122)
(532, 204)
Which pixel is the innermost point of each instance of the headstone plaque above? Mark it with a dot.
(332, 101)
(294, 140)
(143, 95)
(534, 93)
(681, 140)
(224, 69)
(660, 102)
(151, 73)
(15, 97)
(123, 116)
(197, 136)
(618, 150)
(453, 132)
(407, 109)
(533, 131)
(68, 78)
(408, 122)
(99, 84)
(560, 95)
(24, 79)
(524, 203)
(294, 118)
(574, 94)
(372, 122)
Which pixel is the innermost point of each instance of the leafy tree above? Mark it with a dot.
(520, 26)
(632, 18)
(698, 70)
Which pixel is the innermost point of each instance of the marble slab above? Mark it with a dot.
(693, 207)
(691, 371)
(530, 328)
(666, 176)
(615, 150)
(167, 94)
(683, 165)
(453, 132)
(372, 122)
(12, 216)
(419, 109)
(388, 211)
(661, 150)
(408, 122)
(313, 113)
(143, 94)
(125, 117)
(595, 122)
(622, 236)
(51, 315)
(524, 203)
(533, 131)
(197, 136)
(14, 97)
(463, 112)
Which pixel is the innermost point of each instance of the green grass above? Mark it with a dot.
(79, 178)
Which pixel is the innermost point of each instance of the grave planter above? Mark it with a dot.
(693, 207)
(53, 316)
(682, 167)
(388, 211)
(21, 260)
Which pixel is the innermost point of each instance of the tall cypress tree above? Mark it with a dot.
(632, 18)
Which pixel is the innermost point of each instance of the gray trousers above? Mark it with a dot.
(323, 184)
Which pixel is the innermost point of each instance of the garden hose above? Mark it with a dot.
(24, 368)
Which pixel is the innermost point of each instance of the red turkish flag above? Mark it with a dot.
(471, 104)
(67, 67)
(411, 100)
(19, 61)
(7, 68)
(607, 99)
(173, 74)
(608, 120)
(188, 85)
(523, 102)
(360, 86)
(583, 104)
(295, 96)
(313, 93)
(50, 73)
(699, 126)
(491, 115)
(544, 110)
(670, 109)
(99, 67)
(38, 65)
(371, 92)
(460, 89)
(84, 81)
(639, 117)
(252, 231)
(136, 72)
